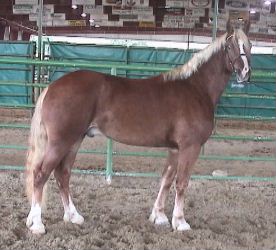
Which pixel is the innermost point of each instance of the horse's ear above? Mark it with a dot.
(246, 26)
(229, 28)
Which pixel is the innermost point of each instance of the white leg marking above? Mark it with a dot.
(178, 221)
(34, 221)
(180, 224)
(156, 216)
(71, 214)
(244, 58)
(159, 218)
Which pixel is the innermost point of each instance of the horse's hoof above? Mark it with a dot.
(29, 222)
(77, 219)
(74, 218)
(38, 229)
(180, 224)
(158, 218)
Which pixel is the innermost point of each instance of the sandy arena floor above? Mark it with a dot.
(223, 215)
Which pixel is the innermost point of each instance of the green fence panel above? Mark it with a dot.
(159, 57)
(260, 107)
(267, 62)
(86, 53)
(246, 107)
(141, 56)
(10, 73)
(173, 57)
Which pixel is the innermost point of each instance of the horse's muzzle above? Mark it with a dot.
(243, 77)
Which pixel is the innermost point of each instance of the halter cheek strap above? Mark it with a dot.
(230, 61)
(229, 37)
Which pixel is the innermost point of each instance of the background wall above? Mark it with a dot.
(20, 17)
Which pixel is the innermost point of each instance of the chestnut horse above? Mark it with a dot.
(173, 110)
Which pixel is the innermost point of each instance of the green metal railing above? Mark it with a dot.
(109, 152)
(152, 174)
(17, 60)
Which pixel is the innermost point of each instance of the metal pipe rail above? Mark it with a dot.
(233, 117)
(16, 60)
(228, 95)
(153, 154)
(154, 175)
(258, 138)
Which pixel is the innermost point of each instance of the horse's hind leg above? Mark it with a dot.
(158, 215)
(53, 156)
(62, 174)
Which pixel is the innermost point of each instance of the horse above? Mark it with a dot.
(174, 110)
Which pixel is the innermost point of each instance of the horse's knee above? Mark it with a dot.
(61, 173)
(181, 186)
(40, 178)
(62, 176)
(169, 172)
(180, 191)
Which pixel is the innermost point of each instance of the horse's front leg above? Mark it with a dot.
(158, 214)
(186, 160)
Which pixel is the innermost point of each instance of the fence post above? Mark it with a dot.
(109, 163)
(109, 149)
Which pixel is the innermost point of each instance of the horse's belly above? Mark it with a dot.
(135, 120)
(132, 135)
(141, 141)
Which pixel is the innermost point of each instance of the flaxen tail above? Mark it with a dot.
(37, 145)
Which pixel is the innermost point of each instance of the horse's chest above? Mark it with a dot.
(204, 130)
(195, 126)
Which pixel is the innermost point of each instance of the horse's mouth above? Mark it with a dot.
(241, 78)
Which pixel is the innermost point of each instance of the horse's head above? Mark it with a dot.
(237, 51)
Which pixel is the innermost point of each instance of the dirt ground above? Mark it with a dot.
(222, 214)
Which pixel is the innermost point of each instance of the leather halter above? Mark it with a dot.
(233, 62)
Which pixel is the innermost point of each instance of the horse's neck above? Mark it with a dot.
(214, 76)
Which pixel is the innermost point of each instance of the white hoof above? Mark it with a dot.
(180, 224)
(75, 218)
(29, 221)
(34, 222)
(158, 218)
(38, 228)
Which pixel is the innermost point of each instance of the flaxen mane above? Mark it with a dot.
(186, 70)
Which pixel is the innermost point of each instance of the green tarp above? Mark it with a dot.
(12, 73)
